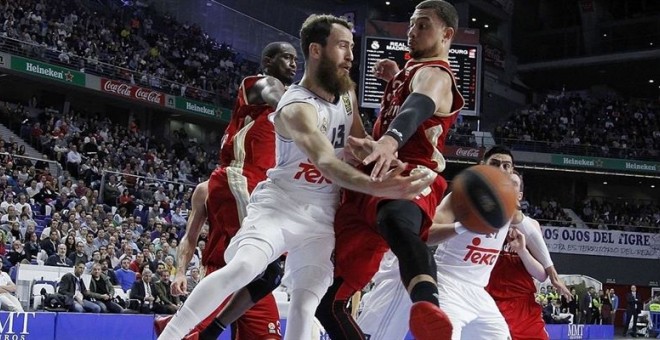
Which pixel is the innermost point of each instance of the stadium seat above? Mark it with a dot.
(37, 286)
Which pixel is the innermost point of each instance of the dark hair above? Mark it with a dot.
(316, 29)
(443, 10)
(522, 183)
(498, 149)
(272, 49)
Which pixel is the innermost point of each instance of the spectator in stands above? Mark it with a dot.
(114, 260)
(101, 240)
(124, 275)
(108, 272)
(145, 291)
(96, 258)
(102, 292)
(70, 243)
(59, 259)
(89, 247)
(194, 279)
(169, 303)
(73, 160)
(138, 264)
(72, 286)
(8, 301)
(79, 256)
(17, 253)
(50, 245)
(178, 219)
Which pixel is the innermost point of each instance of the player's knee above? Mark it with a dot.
(265, 284)
(399, 220)
(313, 279)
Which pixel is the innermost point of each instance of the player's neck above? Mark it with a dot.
(313, 86)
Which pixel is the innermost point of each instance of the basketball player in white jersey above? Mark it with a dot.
(293, 210)
(464, 260)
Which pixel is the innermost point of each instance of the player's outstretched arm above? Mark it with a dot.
(519, 245)
(430, 87)
(188, 243)
(298, 122)
(443, 226)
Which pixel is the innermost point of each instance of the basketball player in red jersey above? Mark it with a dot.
(247, 151)
(419, 106)
(524, 255)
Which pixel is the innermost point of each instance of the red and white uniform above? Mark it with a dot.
(247, 151)
(464, 264)
(360, 247)
(512, 288)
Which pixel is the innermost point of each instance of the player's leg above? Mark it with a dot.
(334, 315)
(490, 325)
(308, 274)
(400, 223)
(385, 311)
(455, 298)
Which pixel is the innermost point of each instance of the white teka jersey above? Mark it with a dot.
(293, 169)
(470, 257)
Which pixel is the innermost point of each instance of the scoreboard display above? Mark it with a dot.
(465, 62)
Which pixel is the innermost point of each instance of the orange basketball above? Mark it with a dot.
(483, 198)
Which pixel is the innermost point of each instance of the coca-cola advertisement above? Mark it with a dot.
(131, 91)
(452, 151)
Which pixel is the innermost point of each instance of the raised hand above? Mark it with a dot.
(385, 69)
(395, 186)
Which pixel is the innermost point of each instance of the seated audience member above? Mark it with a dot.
(102, 292)
(194, 279)
(8, 301)
(145, 291)
(551, 313)
(79, 255)
(17, 253)
(96, 258)
(125, 276)
(59, 259)
(31, 247)
(72, 286)
(108, 272)
(50, 245)
(168, 303)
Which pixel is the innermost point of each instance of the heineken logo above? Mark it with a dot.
(49, 72)
(199, 108)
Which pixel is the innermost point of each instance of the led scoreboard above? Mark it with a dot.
(465, 61)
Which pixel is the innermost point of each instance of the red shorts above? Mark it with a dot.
(359, 247)
(228, 195)
(262, 321)
(523, 315)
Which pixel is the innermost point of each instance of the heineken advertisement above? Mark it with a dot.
(48, 71)
(195, 106)
(606, 163)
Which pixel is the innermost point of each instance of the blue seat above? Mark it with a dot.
(12, 273)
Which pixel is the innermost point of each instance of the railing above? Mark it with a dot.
(556, 147)
(148, 183)
(101, 69)
(32, 161)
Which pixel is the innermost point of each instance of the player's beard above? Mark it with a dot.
(330, 80)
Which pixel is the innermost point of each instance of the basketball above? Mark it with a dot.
(483, 198)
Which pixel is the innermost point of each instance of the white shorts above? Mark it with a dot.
(472, 311)
(278, 221)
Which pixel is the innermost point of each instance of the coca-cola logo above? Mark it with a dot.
(134, 92)
(471, 153)
(118, 88)
(149, 95)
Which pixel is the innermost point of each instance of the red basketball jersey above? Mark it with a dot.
(249, 141)
(509, 278)
(426, 145)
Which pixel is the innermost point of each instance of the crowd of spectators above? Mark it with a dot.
(549, 213)
(134, 44)
(608, 214)
(585, 126)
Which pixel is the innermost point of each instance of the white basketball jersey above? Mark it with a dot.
(293, 169)
(470, 257)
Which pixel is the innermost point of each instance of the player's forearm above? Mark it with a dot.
(533, 267)
(344, 174)
(552, 274)
(184, 254)
(438, 233)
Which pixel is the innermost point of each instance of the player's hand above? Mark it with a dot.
(396, 186)
(382, 153)
(385, 69)
(516, 240)
(561, 288)
(179, 285)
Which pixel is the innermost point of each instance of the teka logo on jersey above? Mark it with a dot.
(478, 255)
(310, 174)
